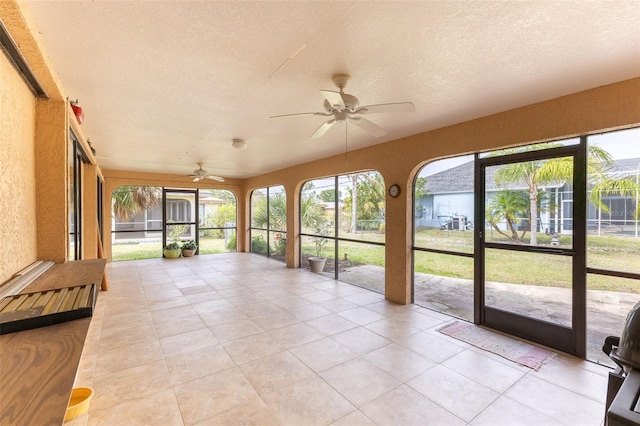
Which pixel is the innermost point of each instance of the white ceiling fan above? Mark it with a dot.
(342, 107)
(200, 174)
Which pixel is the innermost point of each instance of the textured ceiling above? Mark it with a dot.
(165, 84)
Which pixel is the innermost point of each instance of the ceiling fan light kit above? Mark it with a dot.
(343, 107)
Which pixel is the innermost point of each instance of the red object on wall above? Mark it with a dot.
(77, 110)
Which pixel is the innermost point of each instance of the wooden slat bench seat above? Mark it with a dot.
(38, 366)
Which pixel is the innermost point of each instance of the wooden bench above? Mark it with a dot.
(38, 366)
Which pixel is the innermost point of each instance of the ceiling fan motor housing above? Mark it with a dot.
(341, 115)
(351, 104)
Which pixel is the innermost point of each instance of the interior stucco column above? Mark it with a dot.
(293, 226)
(52, 180)
(89, 211)
(398, 273)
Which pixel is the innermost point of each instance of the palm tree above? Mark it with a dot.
(537, 173)
(507, 205)
(278, 211)
(128, 200)
(312, 215)
(272, 219)
(314, 219)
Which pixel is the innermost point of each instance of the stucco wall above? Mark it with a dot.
(17, 173)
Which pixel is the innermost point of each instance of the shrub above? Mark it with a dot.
(280, 246)
(231, 244)
(259, 245)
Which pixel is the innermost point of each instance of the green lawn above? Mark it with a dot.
(607, 252)
(619, 253)
(153, 250)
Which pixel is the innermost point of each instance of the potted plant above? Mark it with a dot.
(189, 248)
(172, 250)
(314, 218)
(317, 262)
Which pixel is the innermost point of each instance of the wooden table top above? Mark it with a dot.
(38, 366)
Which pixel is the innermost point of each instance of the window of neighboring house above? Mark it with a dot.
(178, 210)
(342, 220)
(268, 231)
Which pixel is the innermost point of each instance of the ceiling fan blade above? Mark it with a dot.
(218, 178)
(394, 107)
(301, 113)
(195, 179)
(334, 99)
(323, 129)
(368, 126)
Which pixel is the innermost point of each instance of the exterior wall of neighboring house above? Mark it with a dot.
(448, 203)
(145, 221)
(209, 208)
(438, 209)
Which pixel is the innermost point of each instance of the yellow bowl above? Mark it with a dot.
(79, 403)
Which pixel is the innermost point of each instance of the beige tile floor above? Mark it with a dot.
(237, 339)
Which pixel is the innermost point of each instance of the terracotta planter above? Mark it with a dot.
(316, 264)
(188, 252)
